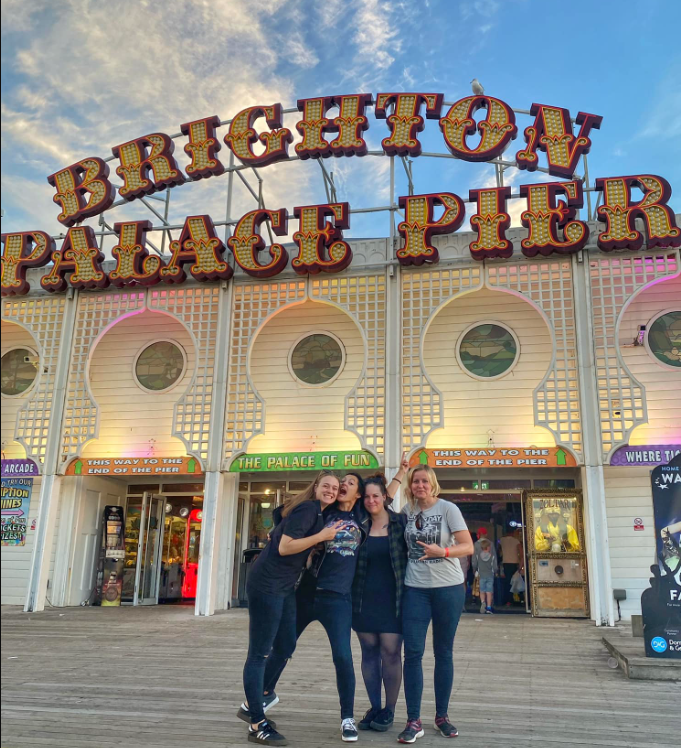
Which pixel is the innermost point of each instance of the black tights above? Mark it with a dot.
(381, 665)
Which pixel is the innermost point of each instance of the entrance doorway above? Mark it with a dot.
(162, 540)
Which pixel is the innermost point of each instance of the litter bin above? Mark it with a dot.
(247, 559)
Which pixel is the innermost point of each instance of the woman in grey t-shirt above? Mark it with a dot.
(437, 537)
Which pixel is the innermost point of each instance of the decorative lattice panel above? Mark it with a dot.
(364, 299)
(252, 305)
(614, 280)
(549, 286)
(197, 308)
(422, 294)
(95, 313)
(42, 317)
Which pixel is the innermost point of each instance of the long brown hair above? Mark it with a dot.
(307, 494)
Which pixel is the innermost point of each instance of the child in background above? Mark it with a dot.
(486, 567)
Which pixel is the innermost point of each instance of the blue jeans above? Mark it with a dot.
(334, 612)
(271, 626)
(420, 606)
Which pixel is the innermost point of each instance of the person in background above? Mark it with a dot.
(486, 567)
(271, 598)
(477, 549)
(437, 537)
(377, 604)
(328, 597)
(511, 551)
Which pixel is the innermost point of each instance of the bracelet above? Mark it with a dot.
(396, 479)
(446, 552)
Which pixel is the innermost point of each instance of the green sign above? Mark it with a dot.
(265, 463)
(480, 486)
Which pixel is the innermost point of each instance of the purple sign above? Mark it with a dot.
(645, 454)
(19, 469)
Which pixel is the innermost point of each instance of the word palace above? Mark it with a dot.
(147, 165)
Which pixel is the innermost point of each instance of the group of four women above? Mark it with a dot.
(342, 557)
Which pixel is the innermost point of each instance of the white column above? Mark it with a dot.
(51, 483)
(598, 550)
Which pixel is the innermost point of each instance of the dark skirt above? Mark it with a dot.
(379, 598)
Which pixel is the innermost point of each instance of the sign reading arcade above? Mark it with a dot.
(147, 165)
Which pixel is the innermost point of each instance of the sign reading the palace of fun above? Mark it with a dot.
(335, 126)
(256, 463)
(494, 457)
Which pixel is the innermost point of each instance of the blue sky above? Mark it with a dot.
(80, 76)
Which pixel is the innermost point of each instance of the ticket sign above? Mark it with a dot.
(126, 466)
(494, 457)
(262, 463)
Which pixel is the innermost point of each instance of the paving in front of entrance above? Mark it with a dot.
(162, 678)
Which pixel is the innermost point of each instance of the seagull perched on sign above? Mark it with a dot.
(477, 86)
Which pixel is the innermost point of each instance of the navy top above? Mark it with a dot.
(337, 568)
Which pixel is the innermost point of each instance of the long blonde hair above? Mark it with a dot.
(308, 494)
(432, 479)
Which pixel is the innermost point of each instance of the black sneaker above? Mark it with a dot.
(265, 734)
(368, 718)
(384, 720)
(413, 730)
(349, 730)
(445, 727)
(268, 701)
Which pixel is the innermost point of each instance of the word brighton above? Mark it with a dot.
(147, 165)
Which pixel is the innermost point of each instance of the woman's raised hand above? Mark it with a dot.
(404, 462)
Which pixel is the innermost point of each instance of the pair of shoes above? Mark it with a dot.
(384, 720)
(413, 730)
(489, 611)
(268, 701)
(368, 718)
(265, 734)
(445, 727)
(482, 607)
(349, 730)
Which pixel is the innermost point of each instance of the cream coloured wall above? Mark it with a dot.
(134, 421)
(662, 384)
(628, 495)
(298, 417)
(14, 336)
(505, 405)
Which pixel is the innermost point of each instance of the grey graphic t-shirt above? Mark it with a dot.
(434, 525)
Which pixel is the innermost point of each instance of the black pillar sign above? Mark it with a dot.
(111, 557)
(661, 602)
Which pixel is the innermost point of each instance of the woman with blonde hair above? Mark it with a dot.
(272, 600)
(437, 536)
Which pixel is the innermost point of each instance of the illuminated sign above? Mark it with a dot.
(494, 457)
(261, 463)
(127, 466)
(147, 165)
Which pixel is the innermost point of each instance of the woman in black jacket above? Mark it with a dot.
(325, 596)
(272, 601)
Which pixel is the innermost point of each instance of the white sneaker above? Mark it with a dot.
(349, 732)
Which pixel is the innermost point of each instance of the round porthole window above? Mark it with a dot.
(663, 338)
(487, 350)
(159, 366)
(317, 359)
(19, 370)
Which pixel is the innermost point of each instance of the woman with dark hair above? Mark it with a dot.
(326, 597)
(377, 603)
(271, 597)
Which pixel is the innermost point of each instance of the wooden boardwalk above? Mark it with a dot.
(161, 678)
